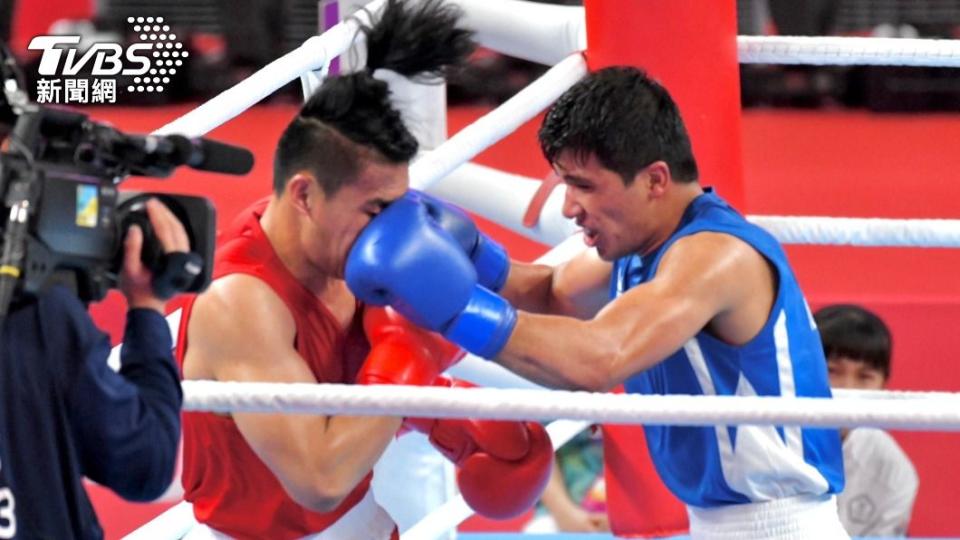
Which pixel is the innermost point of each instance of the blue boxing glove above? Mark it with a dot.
(488, 257)
(404, 259)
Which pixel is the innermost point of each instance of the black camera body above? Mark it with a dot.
(75, 237)
(68, 169)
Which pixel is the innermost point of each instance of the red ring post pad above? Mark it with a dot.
(690, 47)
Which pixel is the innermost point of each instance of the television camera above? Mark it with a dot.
(59, 178)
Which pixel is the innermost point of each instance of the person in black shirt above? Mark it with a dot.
(65, 414)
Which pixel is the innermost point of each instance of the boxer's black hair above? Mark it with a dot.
(624, 118)
(350, 119)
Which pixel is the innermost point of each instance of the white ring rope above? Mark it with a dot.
(849, 393)
(874, 232)
(522, 404)
(844, 51)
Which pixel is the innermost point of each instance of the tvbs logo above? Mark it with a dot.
(107, 57)
(151, 63)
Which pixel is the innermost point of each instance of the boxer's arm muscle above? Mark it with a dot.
(241, 331)
(699, 277)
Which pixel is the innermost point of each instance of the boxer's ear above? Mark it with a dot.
(655, 177)
(301, 188)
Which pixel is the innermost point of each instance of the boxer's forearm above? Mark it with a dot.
(560, 352)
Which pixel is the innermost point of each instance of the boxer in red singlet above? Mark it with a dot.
(279, 311)
(278, 476)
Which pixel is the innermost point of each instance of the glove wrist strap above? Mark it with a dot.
(485, 324)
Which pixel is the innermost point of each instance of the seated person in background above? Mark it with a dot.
(574, 499)
(881, 481)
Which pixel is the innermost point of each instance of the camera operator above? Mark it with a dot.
(65, 414)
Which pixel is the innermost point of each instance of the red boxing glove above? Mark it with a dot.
(503, 466)
(402, 353)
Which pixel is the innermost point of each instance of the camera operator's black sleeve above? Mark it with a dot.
(127, 425)
(65, 414)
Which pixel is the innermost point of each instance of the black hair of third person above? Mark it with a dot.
(624, 118)
(349, 120)
(856, 333)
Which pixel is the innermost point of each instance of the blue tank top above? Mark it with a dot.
(720, 465)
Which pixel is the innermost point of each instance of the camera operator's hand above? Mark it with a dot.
(135, 279)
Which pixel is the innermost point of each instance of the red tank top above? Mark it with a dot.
(231, 489)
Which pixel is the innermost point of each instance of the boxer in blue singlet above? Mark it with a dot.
(710, 467)
(679, 295)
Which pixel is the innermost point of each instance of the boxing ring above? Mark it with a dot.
(558, 39)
